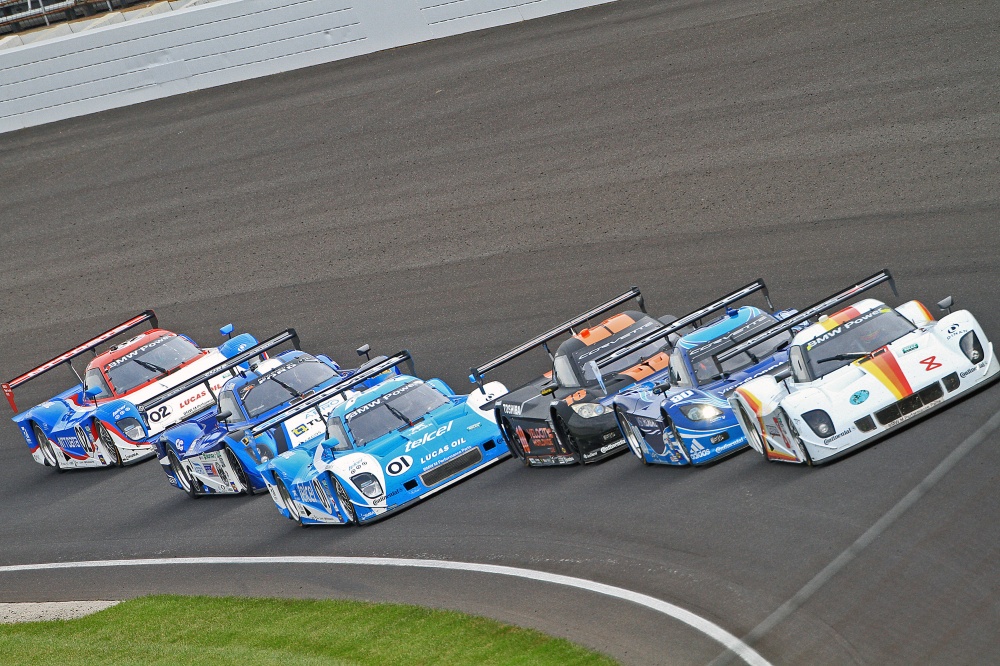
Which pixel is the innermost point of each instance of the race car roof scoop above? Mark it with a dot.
(827, 303)
(68, 356)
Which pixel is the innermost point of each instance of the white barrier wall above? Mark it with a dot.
(226, 41)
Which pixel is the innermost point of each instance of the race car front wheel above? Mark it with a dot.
(803, 451)
(755, 439)
(51, 457)
(346, 506)
(570, 443)
(182, 475)
(286, 498)
(632, 435)
(681, 446)
(109, 445)
(241, 474)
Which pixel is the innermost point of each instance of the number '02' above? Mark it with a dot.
(158, 413)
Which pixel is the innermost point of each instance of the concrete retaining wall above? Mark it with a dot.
(223, 42)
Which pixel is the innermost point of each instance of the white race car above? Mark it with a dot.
(859, 374)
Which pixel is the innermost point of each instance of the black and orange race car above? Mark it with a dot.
(565, 416)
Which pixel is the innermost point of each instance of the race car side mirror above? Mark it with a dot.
(660, 388)
(223, 416)
(93, 392)
(946, 304)
(227, 330)
(363, 351)
(548, 390)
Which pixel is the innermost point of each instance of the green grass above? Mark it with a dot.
(175, 630)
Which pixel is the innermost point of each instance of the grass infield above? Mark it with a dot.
(175, 630)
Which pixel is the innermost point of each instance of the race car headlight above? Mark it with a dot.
(820, 422)
(131, 427)
(368, 485)
(700, 412)
(972, 347)
(588, 410)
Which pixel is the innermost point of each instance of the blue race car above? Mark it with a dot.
(681, 416)
(97, 423)
(211, 454)
(384, 448)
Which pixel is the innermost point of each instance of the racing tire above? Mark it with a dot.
(286, 498)
(186, 481)
(755, 437)
(509, 438)
(795, 437)
(680, 444)
(345, 504)
(241, 474)
(631, 437)
(114, 455)
(571, 444)
(50, 456)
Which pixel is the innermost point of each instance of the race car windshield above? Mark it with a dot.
(397, 409)
(854, 339)
(283, 384)
(149, 362)
(707, 371)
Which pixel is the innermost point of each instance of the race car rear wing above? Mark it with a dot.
(476, 374)
(811, 311)
(68, 356)
(370, 370)
(693, 317)
(288, 335)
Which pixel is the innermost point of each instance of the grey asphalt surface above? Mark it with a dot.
(459, 196)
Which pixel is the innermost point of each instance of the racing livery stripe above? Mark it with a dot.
(845, 315)
(923, 309)
(885, 368)
(773, 453)
(648, 367)
(618, 323)
(755, 406)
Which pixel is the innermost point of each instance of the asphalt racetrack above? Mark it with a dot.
(459, 196)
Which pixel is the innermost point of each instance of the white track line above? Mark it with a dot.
(872, 533)
(713, 631)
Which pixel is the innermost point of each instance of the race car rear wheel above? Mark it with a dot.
(570, 442)
(286, 498)
(513, 442)
(632, 436)
(48, 451)
(681, 446)
(241, 474)
(755, 439)
(109, 445)
(183, 477)
(346, 506)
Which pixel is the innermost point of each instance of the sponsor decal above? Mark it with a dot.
(697, 450)
(647, 423)
(683, 395)
(846, 326)
(838, 435)
(428, 436)
(772, 431)
(956, 330)
(609, 435)
(931, 363)
(908, 348)
(540, 437)
(121, 411)
(968, 372)
(306, 493)
(136, 352)
(859, 397)
(474, 426)
(67, 442)
(441, 451)
(381, 399)
(588, 456)
(721, 437)
(612, 446)
(512, 410)
(156, 415)
(397, 466)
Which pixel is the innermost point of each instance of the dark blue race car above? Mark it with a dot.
(680, 416)
(211, 454)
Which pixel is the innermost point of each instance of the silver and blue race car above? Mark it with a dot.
(383, 448)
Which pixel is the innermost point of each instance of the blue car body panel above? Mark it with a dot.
(658, 425)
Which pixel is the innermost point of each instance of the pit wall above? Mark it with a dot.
(223, 42)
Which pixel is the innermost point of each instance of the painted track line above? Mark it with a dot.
(732, 643)
(881, 525)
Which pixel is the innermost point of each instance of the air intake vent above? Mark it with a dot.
(865, 425)
(909, 404)
(452, 467)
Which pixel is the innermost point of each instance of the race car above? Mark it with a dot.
(211, 454)
(859, 374)
(96, 423)
(385, 447)
(679, 415)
